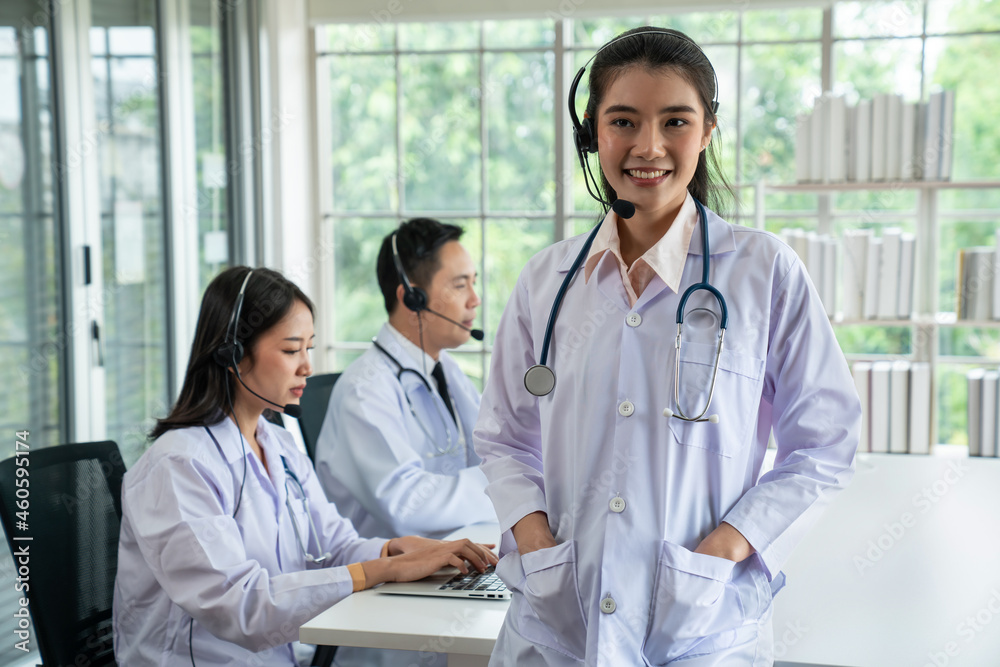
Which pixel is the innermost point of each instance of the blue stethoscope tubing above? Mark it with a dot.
(539, 380)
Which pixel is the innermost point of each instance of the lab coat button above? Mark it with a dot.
(617, 504)
(625, 408)
(608, 605)
(633, 320)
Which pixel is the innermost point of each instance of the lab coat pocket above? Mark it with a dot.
(694, 597)
(549, 612)
(737, 395)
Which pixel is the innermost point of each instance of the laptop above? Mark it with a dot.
(451, 583)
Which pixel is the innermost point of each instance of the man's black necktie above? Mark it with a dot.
(442, 384)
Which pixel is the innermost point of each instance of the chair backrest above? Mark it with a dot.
(72, 515)
(315, 400)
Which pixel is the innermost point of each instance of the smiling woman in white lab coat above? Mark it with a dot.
(227, 541)
(632, 535)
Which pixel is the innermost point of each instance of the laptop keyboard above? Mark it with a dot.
(487, 582)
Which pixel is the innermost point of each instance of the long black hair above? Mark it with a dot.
(209, 386)
(656, 50)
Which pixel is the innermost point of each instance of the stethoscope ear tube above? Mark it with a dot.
(539, 380)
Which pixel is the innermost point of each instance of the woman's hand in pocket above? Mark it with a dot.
(532, 533)
(726, 542)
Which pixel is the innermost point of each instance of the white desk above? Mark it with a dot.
(906, 604)
(464, 629)
(903, 603)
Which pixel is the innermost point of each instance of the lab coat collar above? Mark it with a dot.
(228, 437)
(720, 236)
(571, 248)
(400, 348)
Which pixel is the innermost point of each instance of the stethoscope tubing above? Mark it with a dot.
(453, 446)
(539, 380)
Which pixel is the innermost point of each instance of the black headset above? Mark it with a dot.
(414, 298)
(583, 132)
(230, 353)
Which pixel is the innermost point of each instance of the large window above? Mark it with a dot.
(33, 341)
(458, 120)
(123, 46)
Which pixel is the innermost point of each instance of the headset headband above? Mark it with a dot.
(586, 138)
(414, 298)
(237, 309)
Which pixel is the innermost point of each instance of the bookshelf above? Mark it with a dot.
(928, 319)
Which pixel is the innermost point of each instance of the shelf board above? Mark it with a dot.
(883, 185)
(939, 320)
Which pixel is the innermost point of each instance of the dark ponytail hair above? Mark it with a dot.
(208, 386)
(656, 50)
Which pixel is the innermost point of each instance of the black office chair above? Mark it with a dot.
(73, 516)
(315, 400)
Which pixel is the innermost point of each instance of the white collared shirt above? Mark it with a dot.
(664, 259)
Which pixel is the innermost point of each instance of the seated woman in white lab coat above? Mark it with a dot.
(228, 543)
(637, 528)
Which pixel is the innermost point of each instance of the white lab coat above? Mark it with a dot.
(245, 581)
(601, 435)
(377, 464)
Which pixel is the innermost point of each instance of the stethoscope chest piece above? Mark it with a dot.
(539, 380)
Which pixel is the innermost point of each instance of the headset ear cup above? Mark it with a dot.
(229, 355)
(588, 138)
(415, 299)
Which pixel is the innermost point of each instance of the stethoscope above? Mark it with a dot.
(539, 380)
(453, 445)
(291, 477)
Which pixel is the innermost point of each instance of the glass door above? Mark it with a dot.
(126, 73)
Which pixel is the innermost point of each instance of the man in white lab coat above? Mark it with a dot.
(395, 451)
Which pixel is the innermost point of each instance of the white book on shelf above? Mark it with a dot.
(802, 147)
(888, 282)
(947, 135)
(880, 405)
(894, 138)
(931, 131)
(829, 293)
(908, 140)
(974, 404)
(996, 277)
(995, 407)
(880, 139)
(874, 256)
(800, 244)
(975, 282)
(899, 407)
(851, 140)
(862, 372)
(907, 260)
(818, 161)
(854, 270)
(988, 436)
(862, 141)
(836, 138)
(920, 408)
